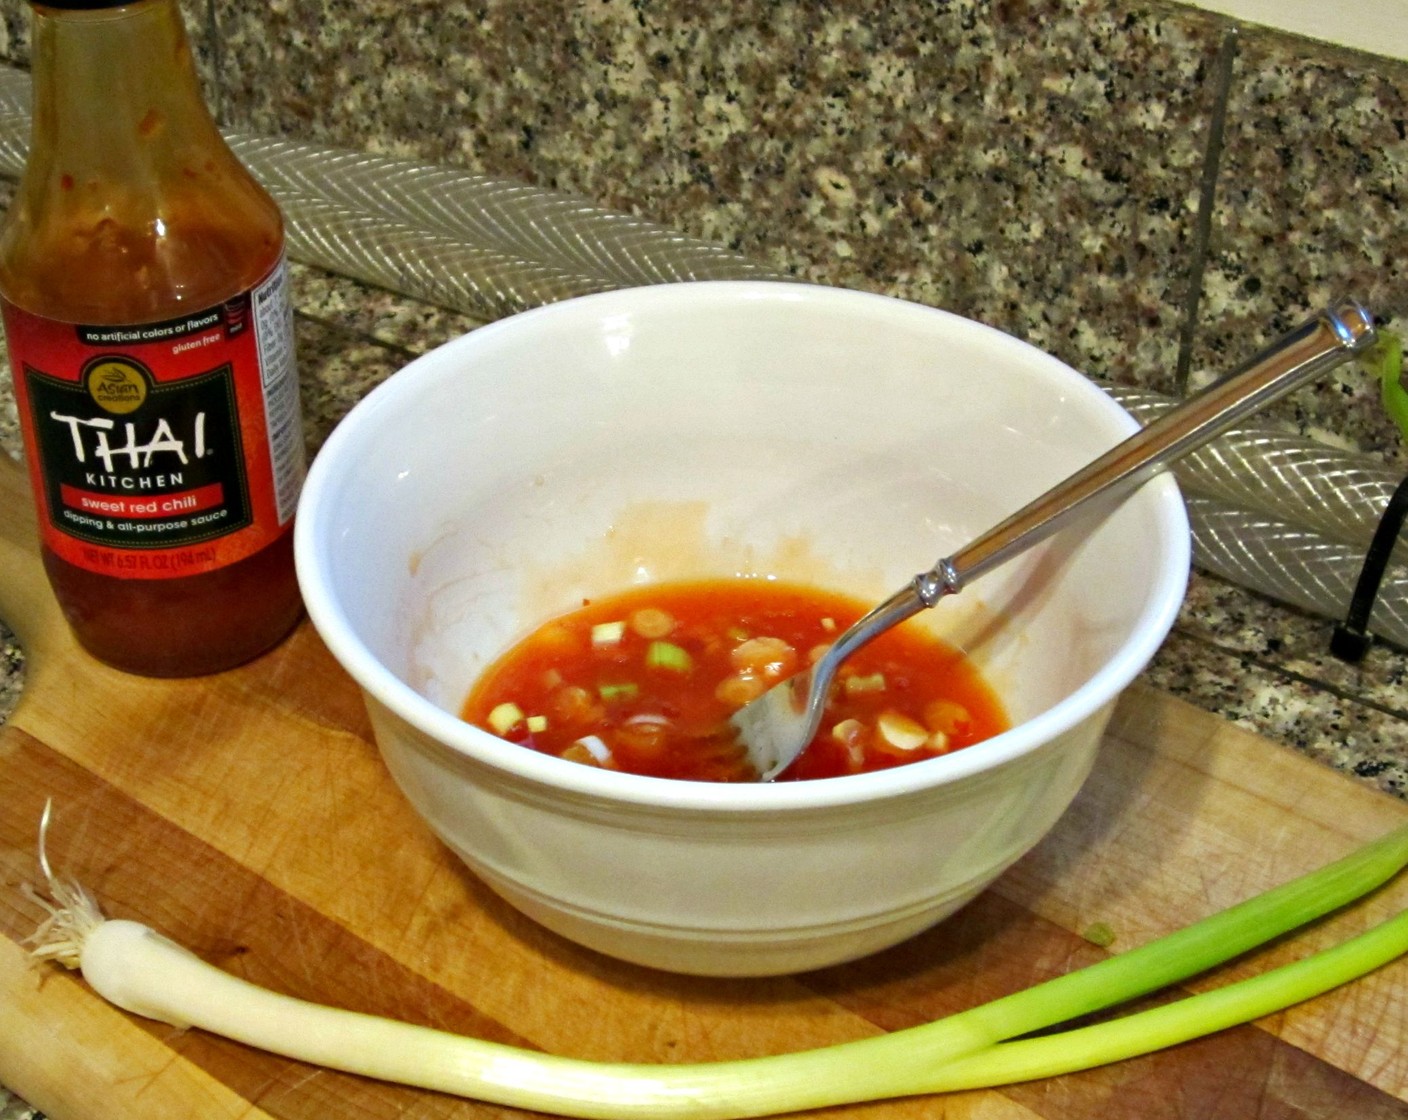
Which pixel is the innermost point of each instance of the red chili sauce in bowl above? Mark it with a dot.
(645, 682)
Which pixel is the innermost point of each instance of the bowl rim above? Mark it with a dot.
(676, 795)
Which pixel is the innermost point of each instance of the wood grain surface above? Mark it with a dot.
(248, 816)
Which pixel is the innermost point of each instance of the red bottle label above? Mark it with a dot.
(162, 449)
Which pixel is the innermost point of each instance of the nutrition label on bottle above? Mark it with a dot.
(283, 417)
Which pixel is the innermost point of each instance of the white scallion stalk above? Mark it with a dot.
(596, 746)
(505, 717)
(144, 973)
(608, 633)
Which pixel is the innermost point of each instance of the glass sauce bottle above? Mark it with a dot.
(150, 335)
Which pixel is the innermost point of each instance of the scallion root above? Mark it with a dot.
(73, 912)
(133, 967)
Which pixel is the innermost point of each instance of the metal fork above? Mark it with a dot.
(778, 726)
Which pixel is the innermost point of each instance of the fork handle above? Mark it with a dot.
(1317, 345)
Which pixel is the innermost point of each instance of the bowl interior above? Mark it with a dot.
(768, 430)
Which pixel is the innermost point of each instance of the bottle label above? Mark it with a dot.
(162, 449)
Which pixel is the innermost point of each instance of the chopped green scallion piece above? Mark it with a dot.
(505, 717)
(873, 682)
(667, 655)
(625, 691)
(1099, 933)
(608, 633)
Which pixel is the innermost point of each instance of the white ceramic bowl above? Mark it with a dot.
(802, 432)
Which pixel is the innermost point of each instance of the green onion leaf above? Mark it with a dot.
(1185, 1019)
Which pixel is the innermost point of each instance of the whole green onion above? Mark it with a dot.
(142, 972)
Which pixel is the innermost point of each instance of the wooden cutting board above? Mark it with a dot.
(248, 816)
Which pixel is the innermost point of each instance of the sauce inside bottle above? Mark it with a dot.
(146, 307)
